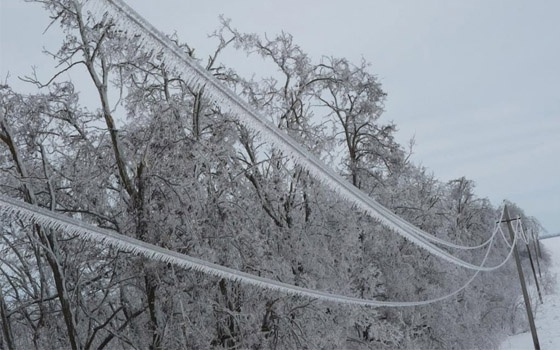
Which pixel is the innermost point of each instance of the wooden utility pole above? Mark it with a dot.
(539, 247)
(522, 281)
(526, 239)
(537, 251)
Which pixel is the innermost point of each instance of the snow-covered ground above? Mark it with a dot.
(548, 314)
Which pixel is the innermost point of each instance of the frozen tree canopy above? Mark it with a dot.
(192, 208)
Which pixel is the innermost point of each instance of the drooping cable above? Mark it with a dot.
(520, 228)
(504, 236)
(151, 40)
(72, 227)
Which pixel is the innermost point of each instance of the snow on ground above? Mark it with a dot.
(548, 314)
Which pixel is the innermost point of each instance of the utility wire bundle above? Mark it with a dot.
(153, 41)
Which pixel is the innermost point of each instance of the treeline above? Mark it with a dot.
(156, 161)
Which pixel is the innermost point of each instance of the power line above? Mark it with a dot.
(73, 227)
(152, 40)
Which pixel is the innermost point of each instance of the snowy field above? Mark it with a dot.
(548, 315)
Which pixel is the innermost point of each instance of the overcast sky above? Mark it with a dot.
(476, 82)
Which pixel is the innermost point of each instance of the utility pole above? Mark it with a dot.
(522, 281)
(537, 251)
(539, 247)
(526, 239)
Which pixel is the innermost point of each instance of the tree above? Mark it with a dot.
(158, 162)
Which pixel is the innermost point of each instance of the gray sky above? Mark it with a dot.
(475, 82)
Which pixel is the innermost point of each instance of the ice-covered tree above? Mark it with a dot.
(157, 161)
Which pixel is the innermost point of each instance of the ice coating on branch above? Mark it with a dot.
(153, 41)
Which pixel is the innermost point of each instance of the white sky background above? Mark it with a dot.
(477, 82)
